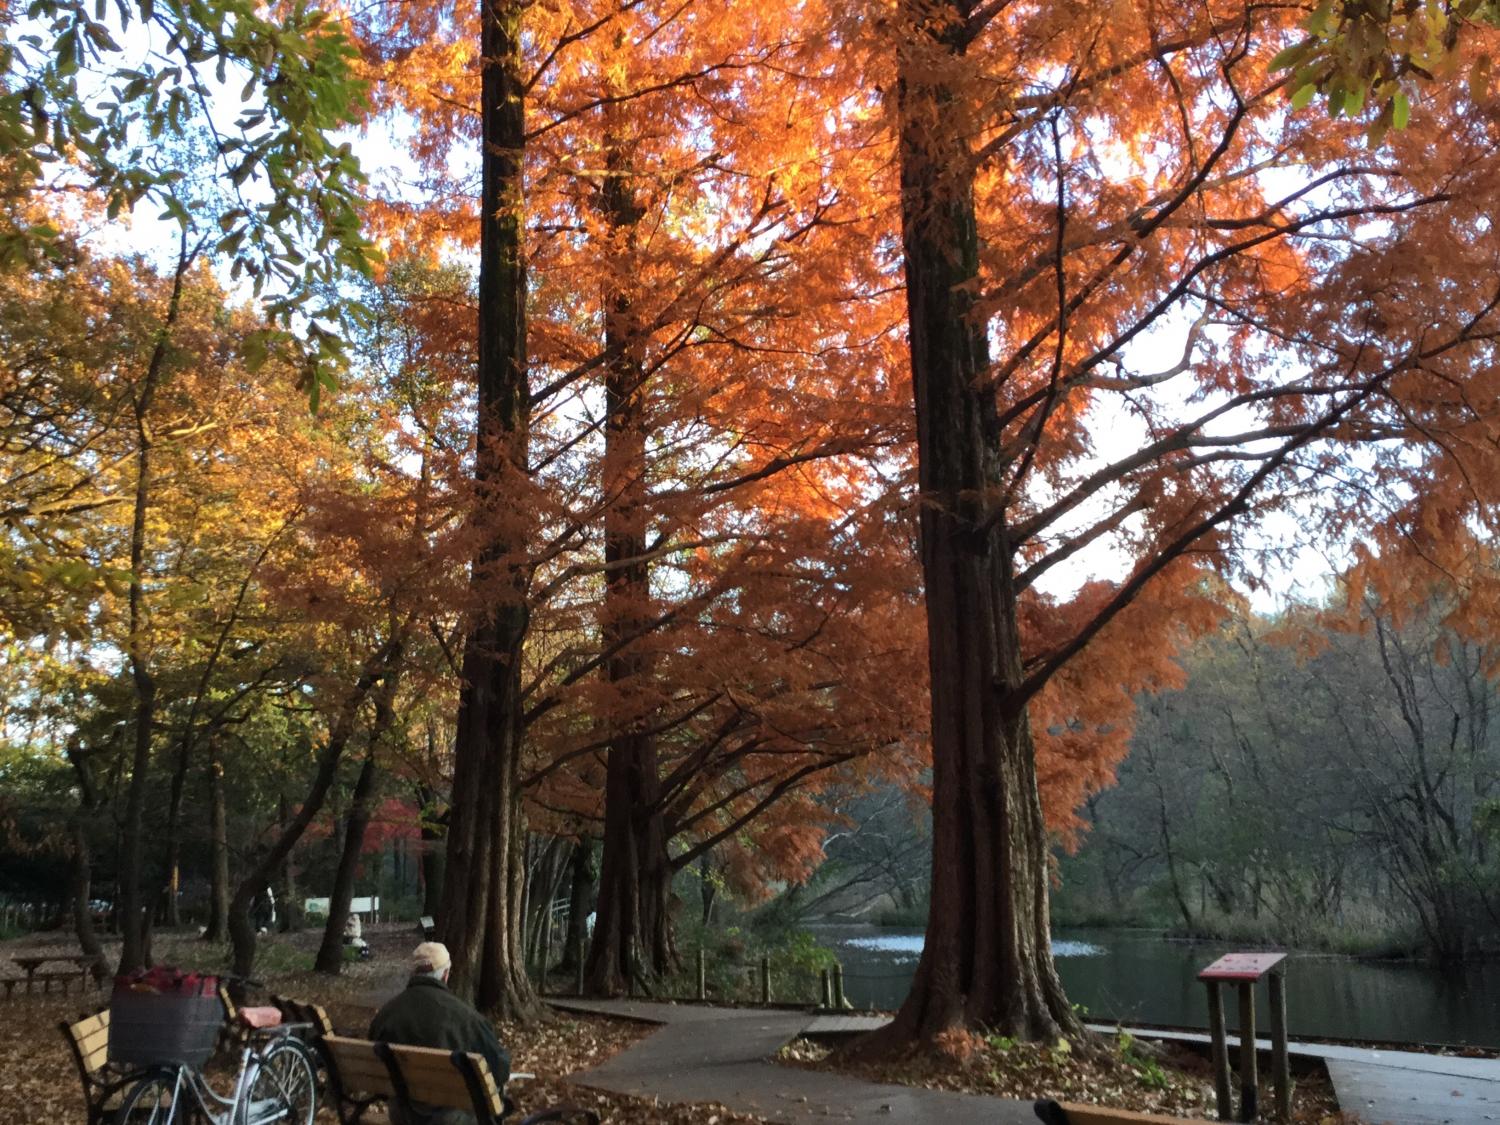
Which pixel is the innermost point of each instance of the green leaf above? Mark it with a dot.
(255, 350)
(1400, 110)
(1479, 79)
(1303, 96)
(1289, 57)
(1317, 23)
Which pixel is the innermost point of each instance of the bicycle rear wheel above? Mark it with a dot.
(283, 1090)
(151, 1101)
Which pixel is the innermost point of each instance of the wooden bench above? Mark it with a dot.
(363, 1072)
(298, 1011)
(88, 1039)
(1067, 1113)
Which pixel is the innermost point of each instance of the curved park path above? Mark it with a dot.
(708, 1054)
(704, 1054)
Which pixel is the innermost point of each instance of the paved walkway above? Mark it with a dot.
(704, 1054)
(1399, 1087)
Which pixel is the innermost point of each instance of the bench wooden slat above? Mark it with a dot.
(89, 1040)
(439, 1078)
(357, 1066)
(428, 1073)
(431, 1077)
(93, 1048)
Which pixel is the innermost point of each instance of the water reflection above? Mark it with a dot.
(1139, 975)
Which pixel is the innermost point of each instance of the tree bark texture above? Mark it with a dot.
(481, 919)
(330, 957)
(987, 960)
(632, 929)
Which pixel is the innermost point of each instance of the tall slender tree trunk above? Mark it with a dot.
(82, 866)
(171, 884)
(241, 929)
(135, 951)
(430, 859)
(288, 909)
(632, 930)
(331, 952)
(217, 928)
(987, 960)
(581, 894)
(708, 891)
(485, 871)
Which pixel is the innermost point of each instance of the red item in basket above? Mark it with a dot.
(165, 980)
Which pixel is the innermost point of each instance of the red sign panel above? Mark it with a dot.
(1242, 966)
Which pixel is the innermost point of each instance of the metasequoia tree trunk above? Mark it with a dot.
(485, 869)
(632, 930)
(218, 835)
(331, 952)
(987, 961)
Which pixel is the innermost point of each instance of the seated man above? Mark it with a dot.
(426, 1014)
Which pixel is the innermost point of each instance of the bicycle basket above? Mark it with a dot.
(150, 1024)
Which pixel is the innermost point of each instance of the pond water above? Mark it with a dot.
(1138, 975)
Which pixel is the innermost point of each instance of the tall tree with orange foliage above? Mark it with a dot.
(1071, 180)
(615, 93)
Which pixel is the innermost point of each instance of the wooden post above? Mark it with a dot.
(765, 980)
(1248, 1078)
(827, 998)
(838, 986)
(578, 973)
(702, 975)
(1220, 1049)
(1281, 1064)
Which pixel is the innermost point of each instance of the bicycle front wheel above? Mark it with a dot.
(150, 1101)
(283, 1090)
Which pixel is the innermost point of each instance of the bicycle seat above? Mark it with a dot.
(259, 1018)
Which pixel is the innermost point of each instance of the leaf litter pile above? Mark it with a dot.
(39, 1080)
(1124, 1074)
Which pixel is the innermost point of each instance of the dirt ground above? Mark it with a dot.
(39, 1081)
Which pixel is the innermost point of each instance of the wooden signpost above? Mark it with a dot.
(1245, 969)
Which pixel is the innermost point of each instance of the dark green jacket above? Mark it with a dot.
(426, 1014)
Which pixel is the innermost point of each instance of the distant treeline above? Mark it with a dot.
(1322, 779)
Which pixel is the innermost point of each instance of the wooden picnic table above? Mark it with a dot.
(29, 963)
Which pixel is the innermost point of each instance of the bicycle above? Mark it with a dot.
(276, 1085)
